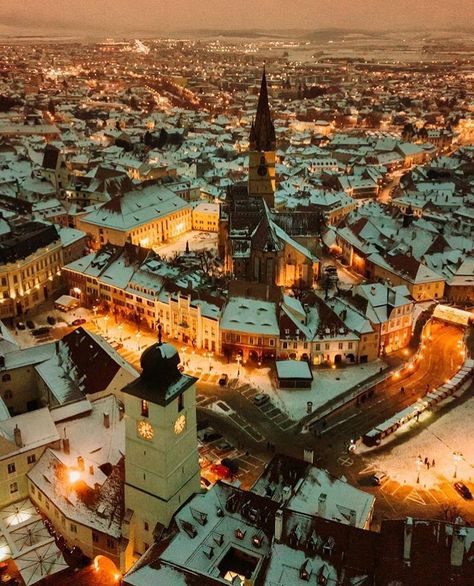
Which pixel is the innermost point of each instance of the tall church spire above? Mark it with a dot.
(262, 132)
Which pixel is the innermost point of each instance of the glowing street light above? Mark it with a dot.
(74, 476)
(419, 463)
(239, 360)
(457, 457)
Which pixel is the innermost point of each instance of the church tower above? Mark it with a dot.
(161, 455)
(262, 177)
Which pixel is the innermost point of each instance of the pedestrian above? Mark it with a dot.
(428, 465)
(402, 390)
(433, 463)
(426, 461)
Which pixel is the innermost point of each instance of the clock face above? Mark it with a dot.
(145, 430)
(180, 424)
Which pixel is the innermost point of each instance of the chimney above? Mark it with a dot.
(407, 535)
(352, 517)
(322, 505)
(458, 546)
(91, 470)
(278, 525)
(80, 463)
(66, 446)
(106, 420)
(17, 436)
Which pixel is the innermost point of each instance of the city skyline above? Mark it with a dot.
(90, 17)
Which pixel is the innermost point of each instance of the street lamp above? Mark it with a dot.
(138, 335)
(183, 351)
(457, 457)
(120, 329)
(419, 463)
(239, 359)
(209, 355)
(94, 309)
(106, 319)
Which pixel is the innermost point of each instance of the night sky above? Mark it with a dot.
(121, 16)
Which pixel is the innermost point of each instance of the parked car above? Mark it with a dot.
(30, 324)
(260, 399)
(223, 379)
(20, 325)
(79, 321)
(378, 478)
(43, 331)
(231, 464)
(51, 320)
(209, 435)
(224, 446)
(463, 490)
(205, 483)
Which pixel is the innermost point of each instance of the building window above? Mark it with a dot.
(73, 528)
(341, 345)
(145, 526)
(11, 468)
(6, 378)
(13, 487)
(7, 395)
(95, 537)
(144, 408)
(110, 543)
(180, 403)
(31, 459)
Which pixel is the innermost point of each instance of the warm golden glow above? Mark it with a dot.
(145, 430)
(180, 424)
(74, 476)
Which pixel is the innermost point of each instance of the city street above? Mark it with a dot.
(255, 433)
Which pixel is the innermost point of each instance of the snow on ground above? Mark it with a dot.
(195, 239)
(442, 434)
(327, 384)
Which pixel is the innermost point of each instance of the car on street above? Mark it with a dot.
(463, 490)
(209, 435)
(231, 464)
(20, 325)
(79, 321)
(260, 399)
(223, 379)
(43, 331)
(30, 324)
(205, 483)
(224, 446)
(51, 320)
(378, 478)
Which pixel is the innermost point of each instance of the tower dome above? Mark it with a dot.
(159, 364)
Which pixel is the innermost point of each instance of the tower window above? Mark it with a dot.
(180, 403)
(144, 408)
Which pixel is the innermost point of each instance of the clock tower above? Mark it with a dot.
(262, 176)
(161, 455)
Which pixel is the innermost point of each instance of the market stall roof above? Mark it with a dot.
(37, 564)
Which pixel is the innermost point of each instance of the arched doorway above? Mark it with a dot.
(338, 359)
(107, 567)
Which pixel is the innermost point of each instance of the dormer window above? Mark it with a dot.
(257, 540)
(239, 533)
(305, 571)
(144, 408)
